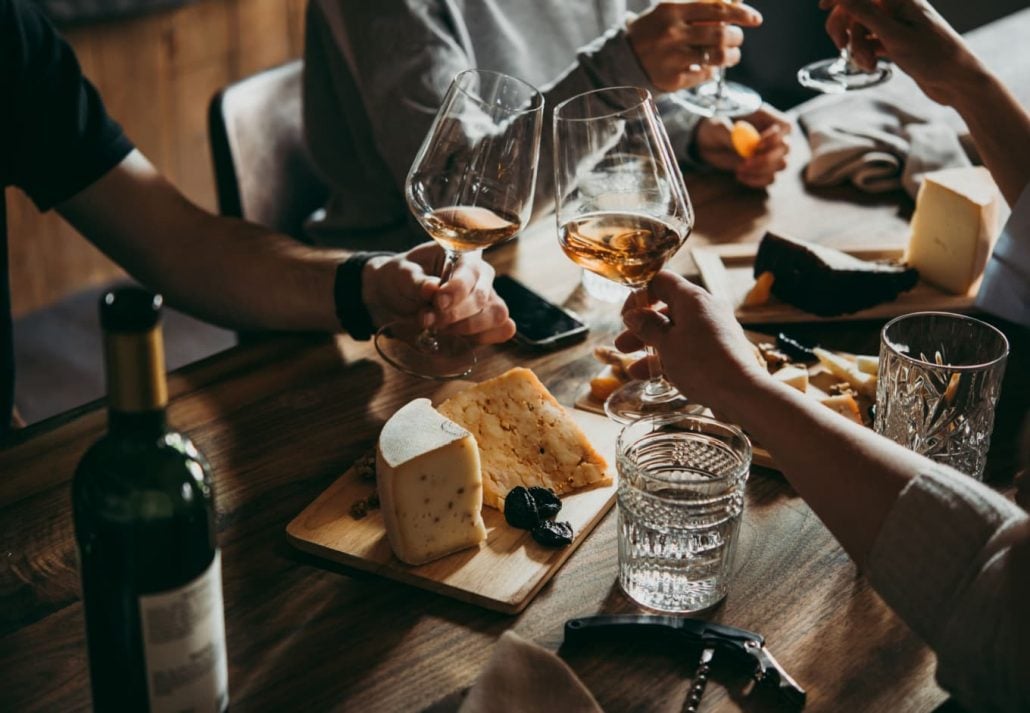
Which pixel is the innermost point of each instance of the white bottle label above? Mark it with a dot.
(184, 645)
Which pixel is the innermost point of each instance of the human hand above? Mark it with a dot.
(407, 286)
(678, 44)
(912, 34)
(700, 344)
(759, 170)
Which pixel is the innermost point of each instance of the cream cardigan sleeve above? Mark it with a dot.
(943, 561)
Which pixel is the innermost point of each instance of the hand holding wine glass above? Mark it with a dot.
(843, 74)
(622, 209)
(470, 187)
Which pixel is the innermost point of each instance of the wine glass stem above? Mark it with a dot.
(427, 339)
(720, 83)
(845, 58)
(657, 387)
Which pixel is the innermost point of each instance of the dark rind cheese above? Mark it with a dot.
(827, 282)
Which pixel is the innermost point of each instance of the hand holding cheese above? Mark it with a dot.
(430, 484)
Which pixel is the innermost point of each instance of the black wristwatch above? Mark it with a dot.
(350, 307)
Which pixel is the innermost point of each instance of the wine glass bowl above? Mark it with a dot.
(622, 208)
(470, 187)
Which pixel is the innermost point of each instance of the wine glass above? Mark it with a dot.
(718, 97)
(470, 186)
(622, 210)
(840, 74)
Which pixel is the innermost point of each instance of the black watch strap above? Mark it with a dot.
(350, 307)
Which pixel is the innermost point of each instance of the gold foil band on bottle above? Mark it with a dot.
(136, 370)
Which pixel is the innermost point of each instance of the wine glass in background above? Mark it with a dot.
(718, 97)
(470, 187)
(840, 74)
(622, 210)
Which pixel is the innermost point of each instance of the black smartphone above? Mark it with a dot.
(538, 323)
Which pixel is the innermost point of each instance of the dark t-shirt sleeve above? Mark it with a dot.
(56, 133)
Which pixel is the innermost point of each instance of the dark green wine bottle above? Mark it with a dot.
(145, 526)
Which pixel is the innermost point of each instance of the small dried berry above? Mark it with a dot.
(373, 500)
(548, 504)
(520, 509)
(359, 509)
(553, 534)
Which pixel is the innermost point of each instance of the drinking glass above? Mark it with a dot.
(718, 97)
(840, 74)
(470, 186)
(622, 209)
(938, 384)
(681, 498)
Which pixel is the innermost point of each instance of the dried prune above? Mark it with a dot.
(553, 534)
(520, 509)
(548, 504)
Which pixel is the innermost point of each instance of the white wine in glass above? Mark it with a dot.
(470, 186)
(718, 97)
(622, 210)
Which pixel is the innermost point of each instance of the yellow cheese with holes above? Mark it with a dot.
(525, 437)
(954, 227)
(430, 484)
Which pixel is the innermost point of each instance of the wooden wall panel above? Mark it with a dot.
(156, 74)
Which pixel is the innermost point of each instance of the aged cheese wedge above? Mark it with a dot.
(846, 370)
(430, 484)
(793, 376)
(525, 437)
(954, 227)
(845, 405)
(868, 364)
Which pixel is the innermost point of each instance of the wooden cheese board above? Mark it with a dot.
(727, 271)
(504, 574)
(819, 381)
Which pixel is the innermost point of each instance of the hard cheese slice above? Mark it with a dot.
(430, 484)
(954, 226)
(525, 437)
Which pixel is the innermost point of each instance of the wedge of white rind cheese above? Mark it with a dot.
(794, 376)
(430, 484)
(847, 371)
(954, 227)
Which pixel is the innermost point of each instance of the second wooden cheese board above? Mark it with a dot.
(727, 271)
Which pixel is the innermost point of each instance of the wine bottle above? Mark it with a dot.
(145, 526)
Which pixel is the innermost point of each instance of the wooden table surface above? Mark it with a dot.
(281, 420)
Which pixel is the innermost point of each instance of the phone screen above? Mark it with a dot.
(536, 319)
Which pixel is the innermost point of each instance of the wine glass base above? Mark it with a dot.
(402, 345)
(705, 99)
(835, 76)
(630, 403)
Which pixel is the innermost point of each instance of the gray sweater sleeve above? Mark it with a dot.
(943, 561)
(403, 80)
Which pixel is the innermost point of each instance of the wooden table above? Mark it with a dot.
(281, 420)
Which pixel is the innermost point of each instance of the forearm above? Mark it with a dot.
(846, 473)
(227, 271)
(244, 277)
(999, 125)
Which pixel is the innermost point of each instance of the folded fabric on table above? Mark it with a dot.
(876, 145)
(521, 676)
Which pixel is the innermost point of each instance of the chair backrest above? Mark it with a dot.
(262, 169)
